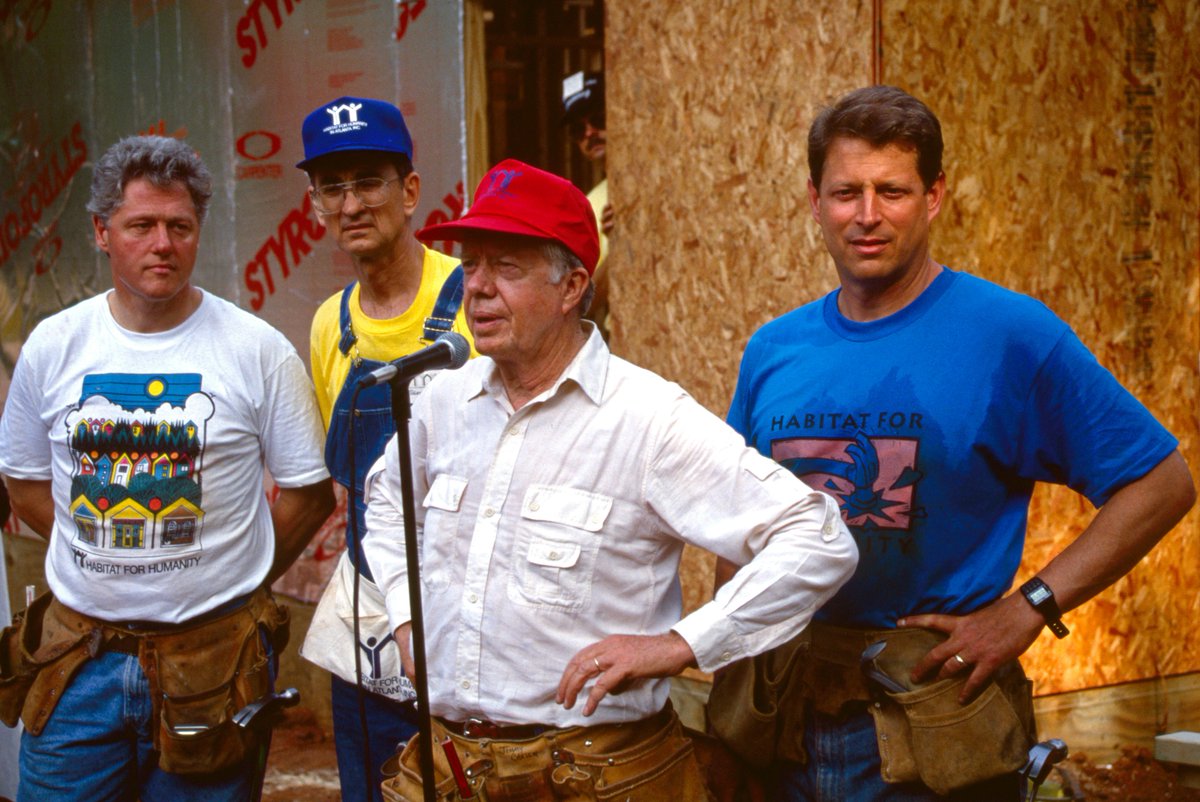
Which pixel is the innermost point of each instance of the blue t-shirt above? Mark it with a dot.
(930, 427)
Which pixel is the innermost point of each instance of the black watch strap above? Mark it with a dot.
(1038, 594)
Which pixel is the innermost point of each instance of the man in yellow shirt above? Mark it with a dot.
(358, 157)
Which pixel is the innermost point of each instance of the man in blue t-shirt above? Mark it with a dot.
(929, 402)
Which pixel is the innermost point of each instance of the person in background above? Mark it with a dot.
(584, 118)
(358, 159)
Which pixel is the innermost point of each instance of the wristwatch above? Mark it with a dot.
(1038, 593)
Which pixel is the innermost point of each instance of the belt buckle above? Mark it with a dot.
(122, 643)
(477, 728)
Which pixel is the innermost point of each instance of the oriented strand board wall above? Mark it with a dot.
(1073, 144)
(1073, 158)
(708, 105)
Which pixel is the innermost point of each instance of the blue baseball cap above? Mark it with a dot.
(354, 123)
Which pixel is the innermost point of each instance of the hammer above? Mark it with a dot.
(259, 717)
(264, 712)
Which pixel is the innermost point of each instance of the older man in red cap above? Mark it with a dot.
(559, 486)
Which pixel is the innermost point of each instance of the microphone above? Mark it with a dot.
(450, 351)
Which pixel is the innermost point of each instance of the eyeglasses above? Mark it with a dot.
(371, 192)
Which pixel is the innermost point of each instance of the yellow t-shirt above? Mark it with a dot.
(598, 198)
(383, 340)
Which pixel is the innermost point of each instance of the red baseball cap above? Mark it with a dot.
(516, 198)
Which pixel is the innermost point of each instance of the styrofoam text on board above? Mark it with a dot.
(30, 15)
(407, 11)
(37, 187)
(290, 243)
(250, 45)
(453, 203)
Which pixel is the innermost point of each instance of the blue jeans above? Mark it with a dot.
(843, 766)
(389, 723)
(99, 746)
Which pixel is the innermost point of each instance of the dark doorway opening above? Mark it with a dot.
(531, 46)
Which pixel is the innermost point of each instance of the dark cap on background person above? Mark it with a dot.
(517, 198)
(583, 93)
(354, 123)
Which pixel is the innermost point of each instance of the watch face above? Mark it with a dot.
(1039, 595)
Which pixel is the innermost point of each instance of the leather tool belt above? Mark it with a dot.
(200, 672)
(643, 761)
(759, 706)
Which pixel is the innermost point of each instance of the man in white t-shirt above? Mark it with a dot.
(134, 439)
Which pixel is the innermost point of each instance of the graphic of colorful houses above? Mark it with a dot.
(115, 452)
(131, 525)
(115, 467)
(138, 443)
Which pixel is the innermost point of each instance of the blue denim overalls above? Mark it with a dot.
(370, 421)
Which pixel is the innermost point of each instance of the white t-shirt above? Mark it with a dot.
(155, 445)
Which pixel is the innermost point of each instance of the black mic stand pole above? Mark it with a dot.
(401, 412)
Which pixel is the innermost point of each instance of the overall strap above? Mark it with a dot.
(445, 310)
(348, 337)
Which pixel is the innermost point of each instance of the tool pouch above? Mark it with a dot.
(663, 768)
(926, 735)
(573, 765)
(202, 675)
(402, 774)
(39, 654)
(17, 667)
(757, 706)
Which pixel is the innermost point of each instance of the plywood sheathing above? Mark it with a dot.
(708, 105)
(1061, 186)
(1073, 162)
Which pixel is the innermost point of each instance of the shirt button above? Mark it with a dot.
(726, 656)
(514, 432)
(534, 507)
(828, 529)
(554, 555)
(489, 512)
(466, 684)
(472, 598)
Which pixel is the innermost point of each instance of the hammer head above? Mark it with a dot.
(264, 712)
(1042, 757)
(874, 673)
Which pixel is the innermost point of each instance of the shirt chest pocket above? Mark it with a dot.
(558, 538)
(442, 504)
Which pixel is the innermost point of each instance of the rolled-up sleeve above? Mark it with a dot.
(790, 540)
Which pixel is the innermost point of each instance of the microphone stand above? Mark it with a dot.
(401, 413)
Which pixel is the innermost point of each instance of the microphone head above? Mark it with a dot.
(460, 349)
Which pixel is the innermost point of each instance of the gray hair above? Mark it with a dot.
(160, 160)
(563, 261)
